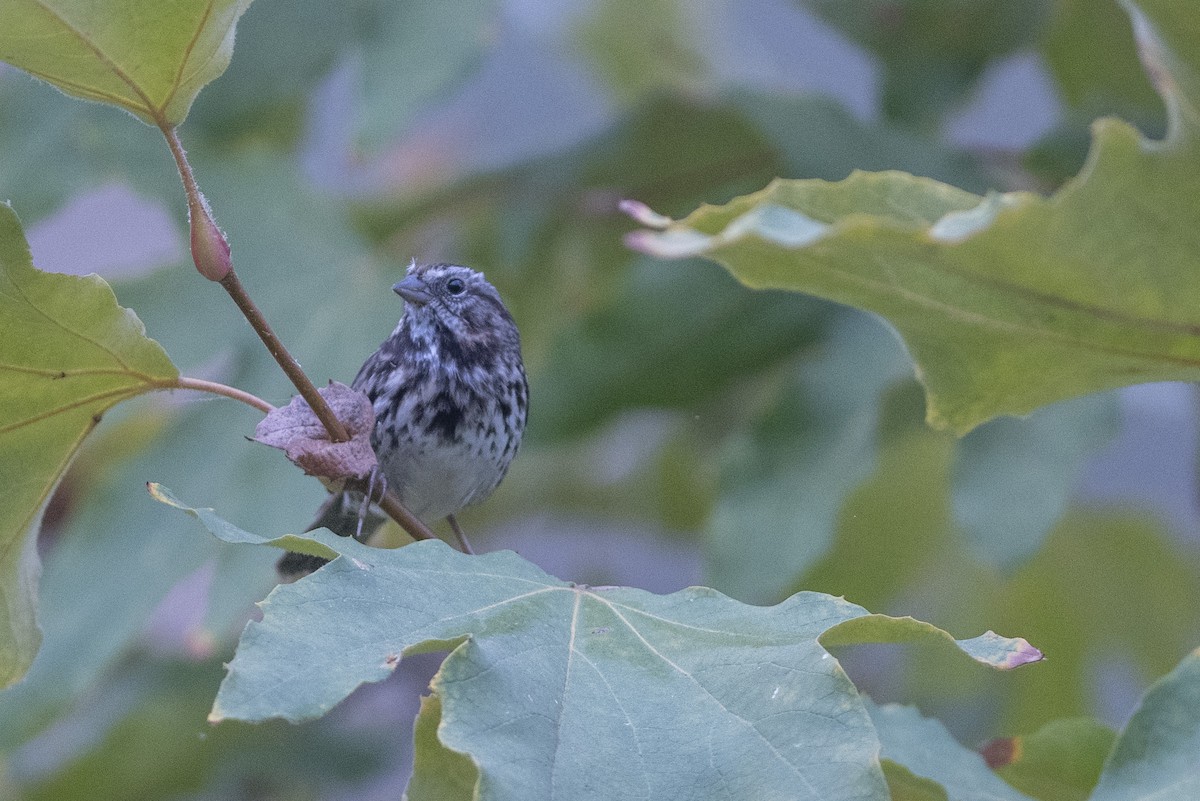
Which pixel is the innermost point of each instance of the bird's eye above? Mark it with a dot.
(455, 286)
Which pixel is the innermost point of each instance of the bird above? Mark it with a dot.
(451, 399)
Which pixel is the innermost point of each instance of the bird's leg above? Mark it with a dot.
(376, 489)
(463, 542)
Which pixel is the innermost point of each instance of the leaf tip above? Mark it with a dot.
(1021, 654)
(1004, 653)
(641, 241)
(163, 495)
(677, 243)
(1152, 53)
(643, 214)
(1024, 654)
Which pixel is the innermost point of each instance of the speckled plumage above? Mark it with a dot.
(450, 394)
(450, 398)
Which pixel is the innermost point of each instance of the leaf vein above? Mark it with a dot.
(748, 724)
(120, 394)
(103, 57)
(187, 52)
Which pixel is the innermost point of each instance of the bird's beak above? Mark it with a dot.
(413, 290)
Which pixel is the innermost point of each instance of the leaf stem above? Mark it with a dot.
(201, 385)
(181, 162)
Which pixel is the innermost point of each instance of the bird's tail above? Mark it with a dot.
(345, 514)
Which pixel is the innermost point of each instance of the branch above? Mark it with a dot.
(391, 506)
(337, 431)
(210, 252)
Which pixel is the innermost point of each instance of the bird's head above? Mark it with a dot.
(448, 298)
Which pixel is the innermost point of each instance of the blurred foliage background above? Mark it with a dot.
(684, 429)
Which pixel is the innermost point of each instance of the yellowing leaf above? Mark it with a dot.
(68, 352)
(150, 57)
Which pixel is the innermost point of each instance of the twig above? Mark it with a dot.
(211, 254)
(464, 544)
(337, 432)
(391, 505)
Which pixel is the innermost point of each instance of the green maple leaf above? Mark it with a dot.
(149, 57)
(1011, 301)
(556, 690)
(68, 353)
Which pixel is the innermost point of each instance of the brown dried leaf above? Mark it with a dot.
(298, 432)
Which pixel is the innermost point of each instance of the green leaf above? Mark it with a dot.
(149, 751)
(1002, 653)
(1090, 49)
(578, 692)
(904, 785)
(149, 57)
(87, 618)
(439, 774)
(640, 47)
(68, 353)
(52, 148)
(277, 224)
(1007, 302)
(1155, 756)
(231, 533)
(624, 357)
(924, 747)
(411, 53)
(818, 137)
(1091, 52)
(544, 232)
(1085, 599)
(906, 497)
(1059, 762)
